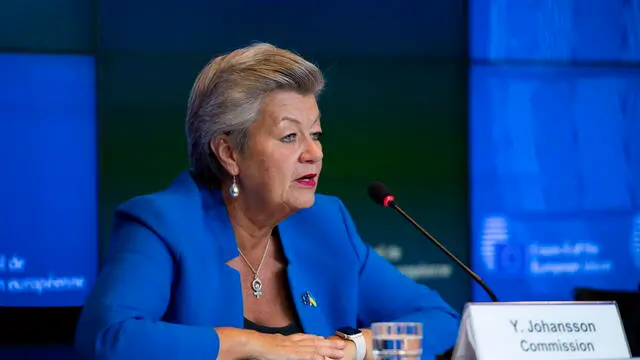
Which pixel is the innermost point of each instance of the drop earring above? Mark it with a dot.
(234, 190)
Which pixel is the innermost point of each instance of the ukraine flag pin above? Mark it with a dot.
(308, 299)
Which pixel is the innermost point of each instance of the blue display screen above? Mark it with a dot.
(552, 30)
(555, 180)
(48, 184)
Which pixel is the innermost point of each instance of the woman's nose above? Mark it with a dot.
(313, 152)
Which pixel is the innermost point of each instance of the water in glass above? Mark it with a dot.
(397, 340)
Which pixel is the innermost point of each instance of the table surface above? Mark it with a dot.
(36, 352)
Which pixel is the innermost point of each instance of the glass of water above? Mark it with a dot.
(397, 340)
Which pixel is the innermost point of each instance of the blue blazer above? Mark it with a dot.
(166, 285)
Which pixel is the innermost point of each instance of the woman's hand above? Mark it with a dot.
(349, 349)
(298, 347)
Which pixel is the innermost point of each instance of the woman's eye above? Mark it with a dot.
(317, 135)
(289, 138)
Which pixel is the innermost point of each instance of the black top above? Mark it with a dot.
(290, 329)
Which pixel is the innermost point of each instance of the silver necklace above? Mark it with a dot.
(256, 284)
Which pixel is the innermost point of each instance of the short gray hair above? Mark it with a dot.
(227, 95)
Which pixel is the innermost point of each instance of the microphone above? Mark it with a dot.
(379, 193)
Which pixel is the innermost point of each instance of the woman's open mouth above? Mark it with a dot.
(307, 180)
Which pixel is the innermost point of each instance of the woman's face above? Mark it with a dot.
(283, 158)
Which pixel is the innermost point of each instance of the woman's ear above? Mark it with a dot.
(224, 150)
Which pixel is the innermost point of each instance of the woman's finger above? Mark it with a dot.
(320, 341)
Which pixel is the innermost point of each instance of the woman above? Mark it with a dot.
(239, 258)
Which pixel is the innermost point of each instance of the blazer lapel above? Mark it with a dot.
(217, 233)
(304, 281)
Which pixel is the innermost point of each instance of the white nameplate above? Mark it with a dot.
(541, 331)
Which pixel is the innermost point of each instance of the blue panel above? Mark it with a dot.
(48, 227)
(604, 30)
(555, 176)
(45, 25)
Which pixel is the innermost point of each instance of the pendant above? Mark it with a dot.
(256, 285)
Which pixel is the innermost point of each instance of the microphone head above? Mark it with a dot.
(380, 194)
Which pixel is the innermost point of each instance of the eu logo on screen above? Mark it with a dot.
(48, 227)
